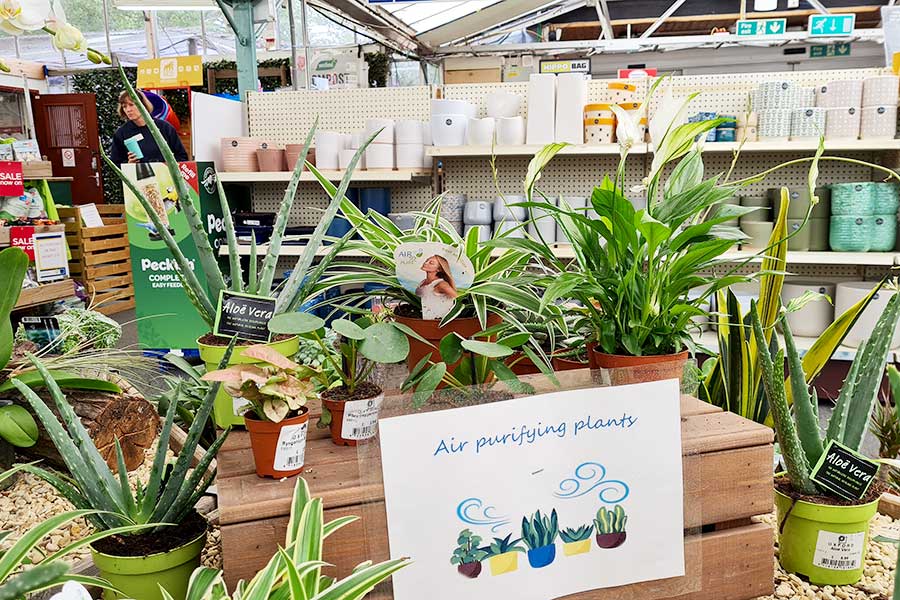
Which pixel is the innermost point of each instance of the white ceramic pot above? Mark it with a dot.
(449, 130)
(453, 107)
(480, 132)
(408, 131)
(344, 158)
(815, 317)
(379, 157)
(511, 131)
(410, 156)
(878, 122)
(426, 134)
(504, 211)
(484, 232)
(541, 225)
(386, 126)
(835, 94)
(881, 91)
(477, 212)
(503, 105)
(328, 157)
(849, 293)
(356, 140)
(843, 123)
(329, 141)
(510, 229)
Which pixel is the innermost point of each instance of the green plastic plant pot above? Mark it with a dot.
(813, 534)
(140, 577)
(224, 410)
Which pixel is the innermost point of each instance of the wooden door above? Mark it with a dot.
(67, 134)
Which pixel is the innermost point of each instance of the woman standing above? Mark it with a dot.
(135, 128)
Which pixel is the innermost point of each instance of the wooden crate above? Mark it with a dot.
(5, 232)
(101, 258)
(728, 480)
(44, 293)
(37, 169)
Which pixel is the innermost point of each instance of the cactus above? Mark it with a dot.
(611, 521)
(570, 535)
(799, 435)
(541, 530)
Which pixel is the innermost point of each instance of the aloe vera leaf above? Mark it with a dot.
(807, 421)
(234, 255)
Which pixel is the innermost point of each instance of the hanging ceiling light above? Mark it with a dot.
(165, 4)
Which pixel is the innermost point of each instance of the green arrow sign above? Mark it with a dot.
(830, 25)
(824, 51)
(746, 28)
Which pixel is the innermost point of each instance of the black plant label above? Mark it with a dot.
(844, 472)
(244, 315)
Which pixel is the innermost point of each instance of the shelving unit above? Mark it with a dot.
(709, 339)
(306, 176)
(529, 150)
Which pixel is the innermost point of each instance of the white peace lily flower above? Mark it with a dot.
(31, 16)
(9, 9)
(670, 113)
(627, 132)
(68, 37)
(71, 591)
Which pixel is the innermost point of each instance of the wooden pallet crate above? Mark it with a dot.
(101, 258)
(728, 480)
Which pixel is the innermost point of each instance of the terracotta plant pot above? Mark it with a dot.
(292, 154)
(431, 331)
(270, 159)
(567, 364)
(470, 570)
(626, 369)
(279, 448)
(361, 422)
(610, 540)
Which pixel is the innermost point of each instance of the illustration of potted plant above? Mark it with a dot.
(610, 525)
(576, 541)
(539, 535)
(468, 556)
(503, 553)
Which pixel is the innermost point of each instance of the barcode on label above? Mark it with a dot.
(364, 431)
(292, 461)
(837, 564)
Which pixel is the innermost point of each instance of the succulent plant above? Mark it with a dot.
(611, 521)
(570, 535)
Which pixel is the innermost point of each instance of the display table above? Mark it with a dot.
(727, 480)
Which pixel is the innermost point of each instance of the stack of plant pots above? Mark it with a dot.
(884, 226)
(798, 206)
(852, 216)
(757, 225)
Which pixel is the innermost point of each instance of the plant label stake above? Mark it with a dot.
(844, 472)
(244, 315)
(436, 273)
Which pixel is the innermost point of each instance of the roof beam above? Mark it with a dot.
(484, 19)
(662, 18)
(524, 22)
(378, 21)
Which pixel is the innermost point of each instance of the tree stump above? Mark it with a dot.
(108, 417)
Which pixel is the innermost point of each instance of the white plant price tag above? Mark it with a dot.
(839, 551)
(361, 418)
(291, 449)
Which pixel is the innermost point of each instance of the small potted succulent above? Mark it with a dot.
(576, 541)
(350, 405)
(275, 390)
(468, 556)
(610, 526)
(503, 555)
(539, 534)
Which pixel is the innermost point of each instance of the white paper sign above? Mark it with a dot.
(360, 421)
(68, 157)
(839, 551)
(50, 259)
(90, 216)
(615, 451)
(291, 449)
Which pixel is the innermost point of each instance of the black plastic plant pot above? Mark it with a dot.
(470, 570)
(610, 540)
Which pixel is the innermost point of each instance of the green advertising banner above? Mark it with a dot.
(166, 318)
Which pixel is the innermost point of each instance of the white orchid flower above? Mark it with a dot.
(68, 37)
(17, 17)
(71, 591)
(627, 131)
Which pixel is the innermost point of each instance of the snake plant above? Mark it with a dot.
(540, 530)
(295, 571)
(169, 495)
(610, 521)
(798, 434)
(299, 285)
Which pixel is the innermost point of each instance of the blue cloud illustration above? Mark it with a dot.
(474, 512)
(588, 477)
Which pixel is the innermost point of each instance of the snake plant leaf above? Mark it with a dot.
(17, 426)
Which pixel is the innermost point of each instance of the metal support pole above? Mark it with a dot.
(305, 30)
(245, 48)
(203, 30)
(150, 31)
(606, 30)
(106, 27)
(819, 7)
(662, 18)
(295, 68)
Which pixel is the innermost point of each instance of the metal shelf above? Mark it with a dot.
(709, 339)
(285, 176)
(882, 259)
(528, 150)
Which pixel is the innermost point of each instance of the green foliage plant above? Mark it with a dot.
(798, 434)
(295, 571)
(610, 521)
(541, 530)
(885, 426)
(503, 545)
(570, 534)
(467, 550)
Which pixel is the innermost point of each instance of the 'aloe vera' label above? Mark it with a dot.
(839, 551)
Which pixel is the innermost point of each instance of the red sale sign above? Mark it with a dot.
(22, 236)
(12, 183)
(636, 73)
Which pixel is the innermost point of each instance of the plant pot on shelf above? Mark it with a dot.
(470, 570)
(541, 557)
(434, 333)
(140, 577)
(353, 420)
(575, 548)
(812, 536)
(504, 563)
(225, 410)
(567, 364)
(626, 369)
(279, 449)
(608, 541)
(523, 365)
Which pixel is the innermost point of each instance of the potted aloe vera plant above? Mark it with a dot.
(810, 517)
(293, 294)
(350, 405)
(539, 534)
(503, 555)
(576, 541)
(468, 555)
(275, 390)
(135, 563)
(610, 527)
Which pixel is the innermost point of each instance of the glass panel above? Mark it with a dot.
(11, 110)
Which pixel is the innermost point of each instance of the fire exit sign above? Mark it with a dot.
(761, 27)
(826, 51)
(830, 25)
